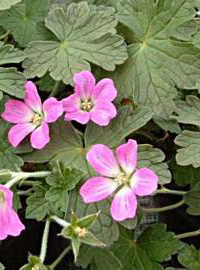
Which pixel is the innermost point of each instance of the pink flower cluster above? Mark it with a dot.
(90, 102)
(118, 172)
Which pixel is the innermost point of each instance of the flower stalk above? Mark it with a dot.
(187, 234)
(60, 258)
(43, 251)
(162, 209)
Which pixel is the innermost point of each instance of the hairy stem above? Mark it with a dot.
(162, 209)
(187, 234)
(18, 176)
(60, 221)
(60, 258)
(170, 191)
(43, 251)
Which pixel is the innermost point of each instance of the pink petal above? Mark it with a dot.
(17, 112)
(10, 223)
(79, 116)
(18, 132)
(71, 103)
(105, 90)
(127, 156)
(144, 182)
(124, 204)
(97, 189)
(84, 84)
(103, 161)
(32, 99)
(102, 113)
(52, 109)
(40, 137)
(8, 194)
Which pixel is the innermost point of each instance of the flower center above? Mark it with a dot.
(86, 105)
(2, 198)
(81, 232)
(37, 119)
(122, 179)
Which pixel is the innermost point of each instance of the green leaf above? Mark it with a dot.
(84, 34)
(8, 157)
(98, 259)
(167, 124)
(61, 181)
(189, 154)
(24, 20)
(188, 112)
(6, 4)
(1, 266)
(184, 175)
(65, 145)
(153, 158)
(105, 228)
(38, 207)
(190, 258)
(192, 200)
(12, 82)
(157, 63)
(153, 246)
(126, 122)
(9, 54)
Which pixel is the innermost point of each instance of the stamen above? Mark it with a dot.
(121, 179)
(86, 105)
(37, 119)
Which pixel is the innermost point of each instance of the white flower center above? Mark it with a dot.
(87, 105)
(2, 198)
(122, 179)
(37, 119)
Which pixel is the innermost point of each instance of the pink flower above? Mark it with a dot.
(10, 223)
(31, 116)
(118, 174)
(91, 101)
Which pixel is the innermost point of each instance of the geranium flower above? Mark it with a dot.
(10, 223)
(31, 116)
(91, 101)
(118, 174)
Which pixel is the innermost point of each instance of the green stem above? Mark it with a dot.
(43, 251)
(60, 258)
(5, 35)
(60, 221)
(24, 192)
(55, 88)
(188, 234)
(18, 176)
(170, 191)
(13, 181)
(163, 209)
(31, 174)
